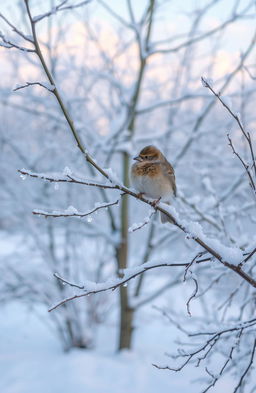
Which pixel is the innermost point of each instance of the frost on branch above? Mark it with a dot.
(134, 227)
(113, 177)
(73, 212)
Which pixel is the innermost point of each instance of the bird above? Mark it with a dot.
(153, 176)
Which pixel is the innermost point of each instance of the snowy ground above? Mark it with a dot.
(31, 361)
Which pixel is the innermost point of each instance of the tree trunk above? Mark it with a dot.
(126, 312)
(126, 321)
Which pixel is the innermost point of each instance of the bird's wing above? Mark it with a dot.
(169, 172)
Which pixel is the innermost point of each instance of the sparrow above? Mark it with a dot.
(153, 176)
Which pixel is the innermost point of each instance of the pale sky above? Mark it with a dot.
(174, 15)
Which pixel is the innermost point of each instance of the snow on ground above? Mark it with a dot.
(31, 361)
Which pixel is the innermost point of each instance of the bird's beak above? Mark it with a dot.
(137, 158)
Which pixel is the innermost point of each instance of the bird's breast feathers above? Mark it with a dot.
(149, 178)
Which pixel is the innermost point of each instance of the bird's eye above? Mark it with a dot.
(146, 157)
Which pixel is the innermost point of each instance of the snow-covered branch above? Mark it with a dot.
(204, 350)
(229, 256)
(140, 225)
(65, 177)
(128, 274)
(71, 211)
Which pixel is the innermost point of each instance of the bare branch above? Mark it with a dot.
(58, 8)
(246, 166)
(249, 73)
(114, 14)
(192, 296)
(203, 36)
(211, 104)
(17, 31)
(160, 104)
(238, 120)
(48, 87)
(9, 45)
(72, 212)
(247, 368)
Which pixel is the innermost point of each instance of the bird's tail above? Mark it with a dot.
(165, 218)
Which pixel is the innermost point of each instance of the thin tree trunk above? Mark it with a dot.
(126, 321)
(126, 312)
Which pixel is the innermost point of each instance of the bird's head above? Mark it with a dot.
(149, 153)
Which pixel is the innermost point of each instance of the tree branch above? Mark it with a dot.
(72, 212)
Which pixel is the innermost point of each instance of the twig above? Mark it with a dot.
(59, 178)
(236, 117)
(73, 212)
(14, 28)
(136, 227)
(119, 281)
(246, 166)
(9, 45)
(247, 368)
(49, 88)
(192, 296)
(59, 8)
(247, 258)
(249, 73)
(68, 282)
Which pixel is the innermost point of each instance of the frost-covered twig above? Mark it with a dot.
(73, 212)
(216, 377)
(237, 119)
(128, 274)
(146, 220)
(248, 368)
(204, 350)
(64, 178)
(64, 281)
(211, 104)
(246, 166)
